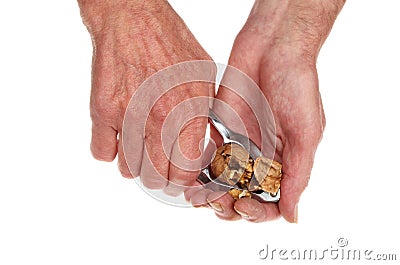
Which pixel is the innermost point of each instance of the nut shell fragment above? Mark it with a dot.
(232, 165)
(268, 173)
(238, 194)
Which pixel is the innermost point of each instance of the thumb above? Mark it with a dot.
(296, 166)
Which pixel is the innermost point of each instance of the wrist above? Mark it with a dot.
(97, 14)
(295, 27)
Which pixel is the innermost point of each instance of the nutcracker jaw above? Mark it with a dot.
(266, 196)
(230, 137)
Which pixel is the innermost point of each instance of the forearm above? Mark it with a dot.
(302, 25)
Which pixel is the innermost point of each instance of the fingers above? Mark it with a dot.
(189, 193)
(186, 157)
(122, 164)
(222, 203)
(105, 146)
(199, 198)
(130, 145)
(254, 211)
(104, 133)
(104, 142)
(155, 166)
(297, 165)
(226, 208)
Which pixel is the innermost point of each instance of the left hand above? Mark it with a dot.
(274, 50)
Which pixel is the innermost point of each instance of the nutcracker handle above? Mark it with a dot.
(221, 128)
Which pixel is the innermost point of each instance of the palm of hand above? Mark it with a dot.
(291, 88)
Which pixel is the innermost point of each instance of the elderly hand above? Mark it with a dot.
(277, 48)
(133, 39)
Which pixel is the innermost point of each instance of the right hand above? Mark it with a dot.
(133, 39)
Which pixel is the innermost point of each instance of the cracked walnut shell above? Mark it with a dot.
(233, 165)
(268, 174)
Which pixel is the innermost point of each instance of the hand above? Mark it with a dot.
(132, 40)
(277, 48)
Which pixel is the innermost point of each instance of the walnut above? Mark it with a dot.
(233, 165)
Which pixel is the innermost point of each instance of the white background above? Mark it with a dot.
(60, 206)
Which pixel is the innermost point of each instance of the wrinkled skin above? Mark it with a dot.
(133, 40)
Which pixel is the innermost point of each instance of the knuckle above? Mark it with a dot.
(323, 121)
(123, 169)
(101, 155)
(160, 111)
(315, 134)
(104, 100)
(154, 183)
(126, 174)
(186, 178)
(196, 124)
(311, 134)
(102, 109)
(103, 148)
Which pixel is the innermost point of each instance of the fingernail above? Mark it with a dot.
(296, 214)
(243, 214)
(216, 206)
